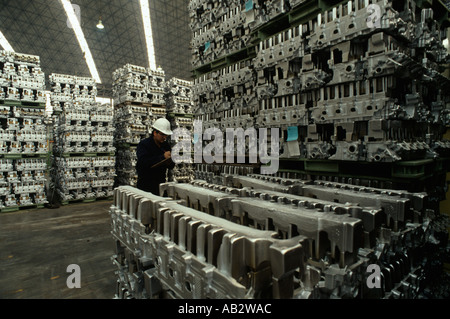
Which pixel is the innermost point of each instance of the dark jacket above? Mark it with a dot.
(148, 154)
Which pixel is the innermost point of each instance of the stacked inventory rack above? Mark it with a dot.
(266, 237)
(361, 108)
(139, 100)
(83, 150)
(178, 95)
(347, 94)
(23, 133)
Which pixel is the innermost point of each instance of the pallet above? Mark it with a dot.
(40, 105)
(85, 154)
(17, 208)
(138, 103)
(239, 55)
(126, 145)
(401, 169)
(85, 200)
(414, 174)
(23, 155)
(177, 114)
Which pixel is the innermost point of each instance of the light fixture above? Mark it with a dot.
(5, 44)
(100, 24)
(145, 10)
(81, 39)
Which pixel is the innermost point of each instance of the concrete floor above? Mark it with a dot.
(37, 245)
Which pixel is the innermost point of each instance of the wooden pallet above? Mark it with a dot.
(17, 208)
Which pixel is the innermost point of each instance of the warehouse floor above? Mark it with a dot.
(37, 245)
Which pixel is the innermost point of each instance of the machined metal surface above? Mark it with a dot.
(196, 255)
(205, 240)
(351, 86)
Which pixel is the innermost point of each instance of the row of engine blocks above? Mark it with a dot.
(350, 90)
(71, 89)
(23, 135)
(138, 101)
(141, 96)
(83, 150)
(22, 182)
(269, 237)
(21, 77)
(132, 83)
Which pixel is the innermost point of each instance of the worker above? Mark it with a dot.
(154, 157)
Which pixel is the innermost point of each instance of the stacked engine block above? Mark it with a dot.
(21, 77)
(23, 133)
(22, 181)
(178, 95)
(266, 237)
(83, 131)
(132, 83)
(339, 86)
(139, 99)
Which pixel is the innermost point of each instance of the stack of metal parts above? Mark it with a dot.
(84, 151)
(338, 86)
(85, 128)
(139, 99)
(23, 134)
(22, 181)
(213, 173)
(23, 130)
(355, 89)
(84, 177)
(262, 237)
(167, 250)
(21, 77)
(132, 83)
(24, 149)
(178, 95)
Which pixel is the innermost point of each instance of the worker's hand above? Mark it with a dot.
(167, 155)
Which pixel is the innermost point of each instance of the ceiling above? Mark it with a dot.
(39, 27)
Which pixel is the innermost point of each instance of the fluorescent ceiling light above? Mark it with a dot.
(5, 44)
(100, 24)
(145, 10)
(81, 39)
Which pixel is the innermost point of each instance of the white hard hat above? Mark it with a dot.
(163, 126)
